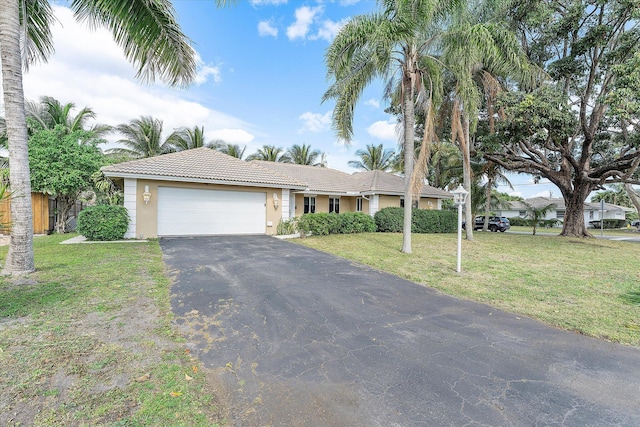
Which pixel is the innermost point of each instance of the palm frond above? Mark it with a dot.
(36, 18)
(149, 35)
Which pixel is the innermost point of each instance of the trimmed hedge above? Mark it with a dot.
(322, 224)
(422, 220)
(103, 222)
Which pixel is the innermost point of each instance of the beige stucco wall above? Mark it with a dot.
(348, 203)
(147, 214)
(388, 201)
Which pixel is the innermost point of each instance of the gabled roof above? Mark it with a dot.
(201, 165)
(211, 166)
(380, 182)
(318, 179)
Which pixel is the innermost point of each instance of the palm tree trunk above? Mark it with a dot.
(409, 122)
(20, 256)
(466, 177)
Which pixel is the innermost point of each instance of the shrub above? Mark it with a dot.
(319, 224)
(422, 220)
(389, 220)
(432, 221)
(288, 226)
(356, 222)
(103, 222)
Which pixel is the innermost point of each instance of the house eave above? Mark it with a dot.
(111, 174)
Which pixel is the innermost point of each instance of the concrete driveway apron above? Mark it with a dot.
(298, 337)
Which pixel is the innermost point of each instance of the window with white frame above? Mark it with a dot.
(334, 205)
(560, 214)
(522, 213)
(359, 204)
(309, 205)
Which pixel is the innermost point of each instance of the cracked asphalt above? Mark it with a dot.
(297, 337)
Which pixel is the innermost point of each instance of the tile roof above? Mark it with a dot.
(202, 164)
(381, 182)
(207, 165)
(322, 180)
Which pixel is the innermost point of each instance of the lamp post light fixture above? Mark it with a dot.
(459, 197)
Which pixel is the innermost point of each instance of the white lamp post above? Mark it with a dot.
(459, 197)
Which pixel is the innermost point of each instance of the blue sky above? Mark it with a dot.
(261, 79)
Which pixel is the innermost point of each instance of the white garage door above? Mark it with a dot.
(185, 211)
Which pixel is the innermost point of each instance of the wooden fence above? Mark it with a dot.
(39, 208)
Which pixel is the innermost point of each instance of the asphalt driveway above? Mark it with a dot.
(298, 337)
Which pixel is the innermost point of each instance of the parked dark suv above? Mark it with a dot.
(496, 223)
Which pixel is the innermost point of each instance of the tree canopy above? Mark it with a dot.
(578, 131)
(62, 164)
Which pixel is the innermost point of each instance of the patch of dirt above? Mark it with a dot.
(54, 372)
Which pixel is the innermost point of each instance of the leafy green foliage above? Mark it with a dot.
(103, 222)
(322, 224)
(433, 221)
(319, 224)
(356, 222)
(62, 163)
(389, 220)
(289, 226)
(422, 220)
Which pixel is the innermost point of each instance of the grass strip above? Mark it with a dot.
(88, 339)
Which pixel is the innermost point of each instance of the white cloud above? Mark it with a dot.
(205, 70)
(373, 103)
(546, 193)
(266, 29)
(384, 130)
(232, 136)
(314, 122)
(89, 69)
(305, 16)
(329, 29)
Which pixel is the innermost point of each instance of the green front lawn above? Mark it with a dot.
(585, 285)
(88, 340)
(621, 232)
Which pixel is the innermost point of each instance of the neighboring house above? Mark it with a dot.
(592, 211)
(205, 192)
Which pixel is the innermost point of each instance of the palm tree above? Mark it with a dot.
(187, 139)
(388, 44)
(152, 40)
(535, 214)
(232, 150)
(476, 48)
(270, 153)
(50, 112)
(143, 137)
(375, 157)
(304, 155)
